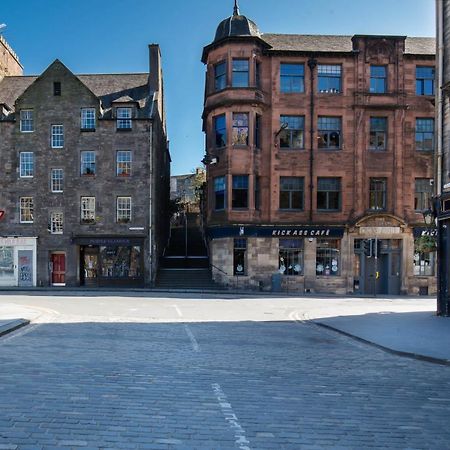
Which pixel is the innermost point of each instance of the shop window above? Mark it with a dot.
(423, 194)
(328, 194)
(425, 135)
(220, 76)
(378, 133)
(424, 263)
(292, 131)
(425, 80)
(120, 262)
(240, 191)
(26, 206)
(292, 78)
(219, 193)
(240, 73)
(328, 257)
(88, 166)
(26, 162)
(377, 194)
(56, 225)
(291, 193)
(123, 163)
(123, 209)
(290, 256)
(6, 263)
(330, 78)
(240, 129)
(329, 131)
(239, 252)
(378, 79)
(26, 120)
(87, 213)
(57, 180)
(220, 130)
(57, 138)
(88, 119)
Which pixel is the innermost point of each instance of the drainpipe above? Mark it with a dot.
(312, 63)
(439, 95)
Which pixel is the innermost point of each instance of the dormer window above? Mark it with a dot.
(124, 118)
(26, 121)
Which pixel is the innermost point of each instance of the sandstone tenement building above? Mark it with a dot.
(84, 166)
(316, 145)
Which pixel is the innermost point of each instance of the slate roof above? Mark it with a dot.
(340, 44)
(107, 87)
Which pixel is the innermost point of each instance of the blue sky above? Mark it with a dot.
(111, 36)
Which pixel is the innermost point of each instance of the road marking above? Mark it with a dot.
(180, 314)
(230, 417)
(194, 342)
(21, 332)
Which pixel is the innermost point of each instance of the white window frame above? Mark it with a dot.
(123, 209)
(91, 162)
(87, 209)
(57, 138)
(26, 166)
(124, 114)
(26, 118)
(123, 166)
(87, 119)
(26, 209)
(56, 222)
(56, 181)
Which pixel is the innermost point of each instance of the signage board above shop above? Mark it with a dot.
(425, 231)
(265, 231)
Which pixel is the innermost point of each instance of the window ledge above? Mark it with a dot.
(330, 149)
(120, 130)
(87, 130)
(292, 149)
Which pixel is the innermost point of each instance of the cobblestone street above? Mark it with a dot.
(237, 385)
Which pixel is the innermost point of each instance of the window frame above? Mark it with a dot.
(422, 130)
(288, 133)
(56, 180)
(124, 122)
(328, 193)
(85, 120)
(374, 77)
(124, 210)
(240, 256)
(375, 133)
(26, 167)
(220, 79)
(292, 77)
(57, 138)
(423, 197)
(292, 252)
(421, 81)
(377, 195)
(330, 73)
(239, 185)
(216, 120)
(88, 164)
(219, 193)
(26, 120)
(236, 135)
(326, 130)
(87, 208)
(23, 208)
(287, 185)
(236, 71)
(124, 167)
(327, 250)
(56, 225)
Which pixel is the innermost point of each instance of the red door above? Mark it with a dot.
(59, 268)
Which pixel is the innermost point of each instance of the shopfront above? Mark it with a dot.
(111, 261)
(18, 261)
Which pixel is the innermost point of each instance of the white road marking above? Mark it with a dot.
(194, 342)
(20, 332)
(230, 417)
(180, 314)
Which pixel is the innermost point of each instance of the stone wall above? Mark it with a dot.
(9, 61)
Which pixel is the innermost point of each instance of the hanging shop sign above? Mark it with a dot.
(425, 231)
(319, 231)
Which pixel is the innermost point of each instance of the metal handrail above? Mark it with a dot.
(218, 268)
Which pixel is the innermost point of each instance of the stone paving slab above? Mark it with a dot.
(7, 326)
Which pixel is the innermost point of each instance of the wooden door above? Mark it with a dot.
(58, 268)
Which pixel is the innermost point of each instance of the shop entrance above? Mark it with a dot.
(58, 268)
(381, 277)
(89, 266)
(25, 267)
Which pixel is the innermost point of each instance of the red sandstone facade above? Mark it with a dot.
(316, 144)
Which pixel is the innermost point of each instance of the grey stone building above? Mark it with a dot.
(84, 167)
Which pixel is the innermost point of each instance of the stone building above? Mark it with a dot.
(84, 167)
(317, 146)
